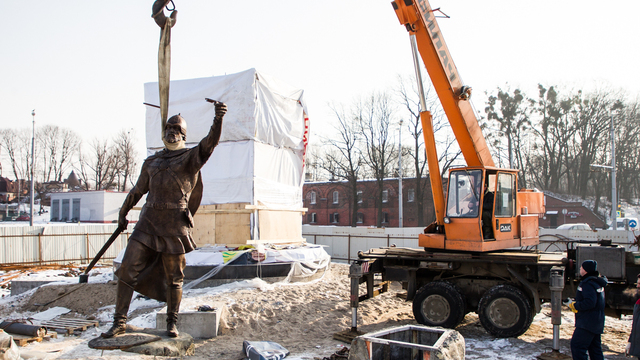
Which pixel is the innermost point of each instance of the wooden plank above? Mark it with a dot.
(222, 211)
(78, 322)
(276, 241)
(233, 228)
(204, 229)
(69, 325)
(222, 224)
(22, 340)
(280, 226)
(262, 207)
(69, 321)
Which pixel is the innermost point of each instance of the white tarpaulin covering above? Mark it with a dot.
(260, 157)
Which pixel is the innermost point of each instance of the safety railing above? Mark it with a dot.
(44, 245)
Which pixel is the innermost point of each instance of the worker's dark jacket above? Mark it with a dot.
(634, 337)
(590, 303)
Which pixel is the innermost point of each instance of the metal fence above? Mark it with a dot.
(344, 245)
(54, 244)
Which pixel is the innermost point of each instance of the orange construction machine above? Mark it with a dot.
(484, 210)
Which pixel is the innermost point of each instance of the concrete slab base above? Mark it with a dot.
(200, 324)
(123, 341)
(167, 346)
(408, 342)
(21, 286)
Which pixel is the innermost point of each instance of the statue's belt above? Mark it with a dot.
(166, 206)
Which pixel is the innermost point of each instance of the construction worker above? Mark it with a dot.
(633, 346)
(589, 309)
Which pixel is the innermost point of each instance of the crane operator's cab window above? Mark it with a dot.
(464, 193)
(505, 203)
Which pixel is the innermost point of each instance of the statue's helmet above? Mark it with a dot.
(178, 121)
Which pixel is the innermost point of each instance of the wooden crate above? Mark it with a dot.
(230, 225)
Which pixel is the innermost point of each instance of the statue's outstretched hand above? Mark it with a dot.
(221, 108)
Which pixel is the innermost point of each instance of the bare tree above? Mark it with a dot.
(57, 145)
(125, 158)
(343, 160)
(410, 99)
(592, 123)
(554, 132)
(514, 126)
(375, 115)
(628, 151)
(100, 168)
(16, 146)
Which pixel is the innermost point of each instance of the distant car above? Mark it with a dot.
(633, 223)
(574, 227)
(23, 218)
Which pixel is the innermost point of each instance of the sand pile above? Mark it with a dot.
(302, 317)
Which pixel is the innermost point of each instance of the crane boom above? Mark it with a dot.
(468, 219)
(419, 19)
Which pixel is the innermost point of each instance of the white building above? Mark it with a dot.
(98, 206)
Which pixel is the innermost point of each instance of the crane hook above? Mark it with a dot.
(157, 12)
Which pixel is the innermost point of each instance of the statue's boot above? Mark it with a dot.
(123, 300)
(172, 324)
(174, 297)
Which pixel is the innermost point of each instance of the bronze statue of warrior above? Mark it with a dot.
(154, 259)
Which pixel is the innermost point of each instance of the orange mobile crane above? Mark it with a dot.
(468, 262)
(509, 216)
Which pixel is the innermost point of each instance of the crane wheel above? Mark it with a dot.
(505, 311)
(439, 303)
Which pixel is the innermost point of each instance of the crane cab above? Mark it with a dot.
(485, 211)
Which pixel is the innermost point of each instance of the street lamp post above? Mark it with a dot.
(614, 200)
(612, 168)
(33, 137)
(400, 175)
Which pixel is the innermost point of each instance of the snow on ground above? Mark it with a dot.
(302, 317)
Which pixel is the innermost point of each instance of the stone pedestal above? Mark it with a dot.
(199, 324)
(147, 342)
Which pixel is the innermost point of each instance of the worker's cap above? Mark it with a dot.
(589, 265)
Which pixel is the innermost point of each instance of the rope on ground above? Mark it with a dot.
(213, 272)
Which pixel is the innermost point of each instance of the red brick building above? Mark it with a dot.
(329, 203)
(9, 189)
(560, 212)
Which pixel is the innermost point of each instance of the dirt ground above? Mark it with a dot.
(303, 318)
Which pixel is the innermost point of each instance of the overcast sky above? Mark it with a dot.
(82, 64)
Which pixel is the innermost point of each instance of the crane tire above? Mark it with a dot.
(505, 311)
(439, 303)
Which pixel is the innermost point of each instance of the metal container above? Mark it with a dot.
(408, 342)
